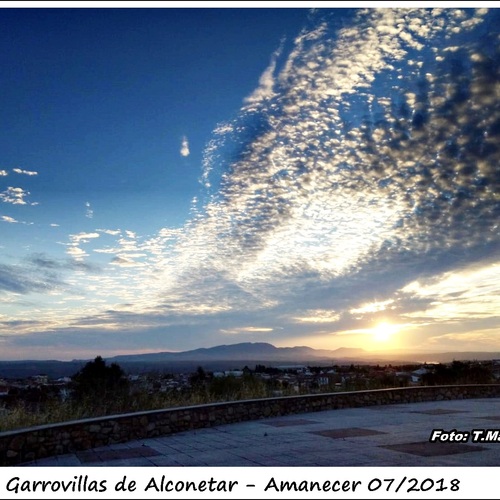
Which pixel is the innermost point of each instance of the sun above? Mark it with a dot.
(384, 331)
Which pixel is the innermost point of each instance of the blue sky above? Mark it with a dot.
(182, 178)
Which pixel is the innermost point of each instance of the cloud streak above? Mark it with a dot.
(8, 219)
(24, 172)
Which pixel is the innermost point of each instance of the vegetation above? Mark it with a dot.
(458, 372)
(98, 389)
(97, 380)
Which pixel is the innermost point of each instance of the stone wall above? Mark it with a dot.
(38, 442)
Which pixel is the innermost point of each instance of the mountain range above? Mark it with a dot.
(234, 356)
(253, 351)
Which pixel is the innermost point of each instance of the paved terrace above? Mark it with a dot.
(386, 435)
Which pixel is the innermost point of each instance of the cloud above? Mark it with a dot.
(11, 220)
(24, 172)
(112, 232)
(73, 248)
(184, 147)
(3, 173)
(479, 340)
(319, 195)
(21, 280)
(247, 329)
(15, 196)
(465, 294)
(265, 90)
(125, 261)
(372, 307)
(76, 252)
(318, 316)
(89, 213)
(83, 237)
(325, 205)
(42, 262)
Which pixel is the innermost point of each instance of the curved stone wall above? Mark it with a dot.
(25, 445)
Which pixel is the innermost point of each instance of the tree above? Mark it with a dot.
(96, 380)
(198, 378)
(458, 372)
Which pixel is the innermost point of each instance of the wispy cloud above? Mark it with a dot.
(11, 220)
(125, 261)
(372, 307)
(15, 196)
(44, 262)
(73, 248)
(112, 232)
(247, 329)
(21, 280)
(481, 339)
(76, 252)
(265, 90)
(89, 213)
(184, 147)
(465, 294)
(83, 237)
(24, 172)
(318, 316)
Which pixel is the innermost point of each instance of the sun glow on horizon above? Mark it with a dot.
(384, 331)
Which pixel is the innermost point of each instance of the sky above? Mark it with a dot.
(176, 178)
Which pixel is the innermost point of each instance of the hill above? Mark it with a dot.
(232, 356)
(255, 351)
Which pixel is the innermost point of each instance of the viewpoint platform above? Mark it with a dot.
(386, 435)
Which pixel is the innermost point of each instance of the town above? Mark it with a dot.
(100, 389)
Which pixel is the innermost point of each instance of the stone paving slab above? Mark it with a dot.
(106, 455)
(348, 432)
(427, 449)
(439, 411)
(392, 435)
(289, 423)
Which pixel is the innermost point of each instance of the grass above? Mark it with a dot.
(22, 415)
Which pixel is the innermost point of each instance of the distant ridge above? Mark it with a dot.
(234, 356)
(257, 351)
(265, 352)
